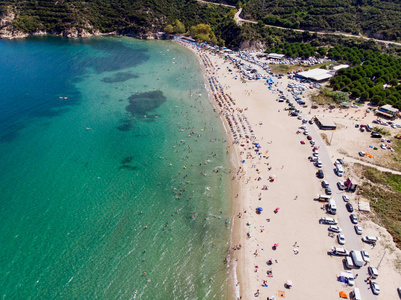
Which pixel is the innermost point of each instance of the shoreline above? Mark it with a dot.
(249, 259)
(236, 274)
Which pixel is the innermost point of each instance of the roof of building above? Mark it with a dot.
(275, 55)
(336, 68)
(326, 123)
(363, 204)
(389, 108)
(316, 74)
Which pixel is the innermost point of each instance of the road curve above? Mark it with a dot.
(239, 20)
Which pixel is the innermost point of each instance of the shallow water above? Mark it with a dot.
(109, 146)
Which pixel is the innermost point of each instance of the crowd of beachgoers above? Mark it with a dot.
(272, 172)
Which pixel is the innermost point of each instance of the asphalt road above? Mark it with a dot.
(353, 241)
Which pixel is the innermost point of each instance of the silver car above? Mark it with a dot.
(375, 287)
(358, 229)
(341, 239)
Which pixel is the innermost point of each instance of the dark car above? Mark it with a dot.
(349, 207)
(328, 191)
(375, 134)
(320, 174)
(354, 219)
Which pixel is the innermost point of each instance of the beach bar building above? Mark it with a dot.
(387, 111)
(324, 124)
(318, 75)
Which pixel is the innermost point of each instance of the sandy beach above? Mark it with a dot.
(264, 144)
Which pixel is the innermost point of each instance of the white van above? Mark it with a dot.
(332, 207)
(348, 262)
(339, 170)
(355, 294)
(356, 258)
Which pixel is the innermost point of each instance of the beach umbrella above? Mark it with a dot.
(289, 283)
(275, 245)
(277, 208)
(343, 295)
(259, 209)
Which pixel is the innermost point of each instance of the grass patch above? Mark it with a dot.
(397, 153)
(276, 69)
(325, 138)
(381, 130)
(328, 96)
(320, 66)
(384, 193)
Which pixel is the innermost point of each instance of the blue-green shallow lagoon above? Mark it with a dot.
(109, 146)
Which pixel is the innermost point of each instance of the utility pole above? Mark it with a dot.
(263, 5)
(331, 137)
(381, 259)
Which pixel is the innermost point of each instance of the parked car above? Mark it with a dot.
(328, 191)
(349, 207)
(370, 239)
(354, 219)
(341, 239)
(375, 287)
(365, 255)
(319, 164)
(336, 229)
(345, 198)
(340, 161)
(325, 184)
(329, 221)
(358, 229)
(375, 134)
(339, 251)
(309, 137)
(312, 142)
(320, 174)
(362, 154)
(310, 121)
(376, 122)
(340, 186)
(373, 272)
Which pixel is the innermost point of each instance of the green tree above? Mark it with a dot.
(364, 96)
(169, 29)
(179, 27)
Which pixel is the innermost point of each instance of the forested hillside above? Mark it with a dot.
(379, 19)
(108, 15)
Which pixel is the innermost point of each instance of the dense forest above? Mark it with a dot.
(123, 16)
(373, 76)
(374, 18)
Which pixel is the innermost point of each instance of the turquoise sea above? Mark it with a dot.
(112, 163)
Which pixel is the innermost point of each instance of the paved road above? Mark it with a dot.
(354, 160)
(353, 241)
(239, 20)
